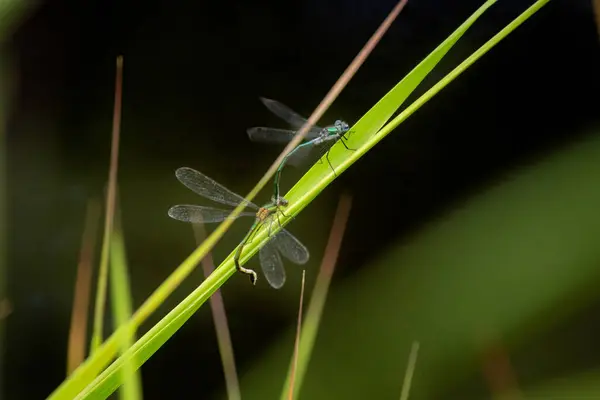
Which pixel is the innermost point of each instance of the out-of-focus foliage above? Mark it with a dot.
(11, 13)
(122, 309)
(510, 263)
(580, 386)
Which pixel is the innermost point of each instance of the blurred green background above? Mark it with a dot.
(484, 202)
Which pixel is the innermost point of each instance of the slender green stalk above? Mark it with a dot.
(111, 194)
(410, 371)
(121, 302)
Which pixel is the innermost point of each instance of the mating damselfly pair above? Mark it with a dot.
(283, 242)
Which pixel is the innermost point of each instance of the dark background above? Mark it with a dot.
(193, 75)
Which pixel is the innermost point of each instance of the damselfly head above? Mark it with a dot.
(341, 125)
(280, 201)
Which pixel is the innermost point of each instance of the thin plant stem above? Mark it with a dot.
(410, 371)
(121, 302)
(110, 211)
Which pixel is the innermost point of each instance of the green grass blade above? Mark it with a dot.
(410, 371)
(121, 303)
(111, 194)
(100, 300)
(454, 74)
(313, 182)
(109, 380)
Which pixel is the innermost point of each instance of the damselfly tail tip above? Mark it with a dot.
(253, 277)
(251, 274)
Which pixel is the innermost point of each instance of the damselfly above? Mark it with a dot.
(322, 138)
(280, 243)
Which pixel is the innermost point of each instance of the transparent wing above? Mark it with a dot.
(206, 187)
(323, 147)
(279, 136)
(300, 156)
(295, 120)
(290, 247)
(200, 214)
(271, 264)
(309, 154)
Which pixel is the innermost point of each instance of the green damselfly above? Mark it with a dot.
(322, 138)
(281, 243)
